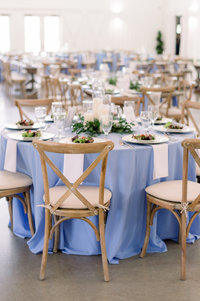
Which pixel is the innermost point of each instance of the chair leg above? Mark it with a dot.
(46, 244)
(10, 209)
(148, 229)
(103, 245)
(183, 246)
(30, 217)
(56, 237)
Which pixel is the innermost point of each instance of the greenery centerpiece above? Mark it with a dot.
(93, 128)
(134, 86)
(112, 81)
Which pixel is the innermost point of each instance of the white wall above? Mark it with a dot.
(92, 24)
(190, 12)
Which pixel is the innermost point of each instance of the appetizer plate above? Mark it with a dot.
(159, 122)
(112, 91)
(161, 128)
(14, 126)
(18, 136)
(69, 140)
(158, 139)
(49, 119)
(163, 121)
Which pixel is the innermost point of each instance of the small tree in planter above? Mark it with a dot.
(160, 44)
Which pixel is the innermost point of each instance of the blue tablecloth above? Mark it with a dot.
(129, 171)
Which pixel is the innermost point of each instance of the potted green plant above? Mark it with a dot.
(160, 44)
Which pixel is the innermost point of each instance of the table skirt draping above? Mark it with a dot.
(129, 171)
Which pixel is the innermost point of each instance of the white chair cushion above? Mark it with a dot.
(172, 191)
(11, 180)
(91, 193)
(171, 111)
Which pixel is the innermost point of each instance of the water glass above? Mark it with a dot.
(129, 111)
(40, 113)
(145, 117)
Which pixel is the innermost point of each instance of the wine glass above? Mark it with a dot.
(145, 117)
(40, 113)
(58, 117)
(153, 113)
(106, 123)
(129, 111)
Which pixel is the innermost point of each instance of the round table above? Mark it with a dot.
(129, 171)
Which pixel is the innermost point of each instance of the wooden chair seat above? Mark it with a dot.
(12, 180)
(171, 191)
(173, 111)
(17, 78)
(11, 185)
(91, 193)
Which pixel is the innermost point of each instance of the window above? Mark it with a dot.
(4, 33)
(32, 34)
(51, 33)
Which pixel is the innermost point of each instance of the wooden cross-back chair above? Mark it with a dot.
(74, 72)
(20, 103)
(119, 100)
(186, 111)
(55, 87)
(165, 107)
(76, 94)
(179, 197)
(72, 200)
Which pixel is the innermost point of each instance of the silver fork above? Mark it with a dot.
(123, 143)
(172, 139)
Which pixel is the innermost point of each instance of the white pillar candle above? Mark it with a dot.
(97, 102)
(88, 116)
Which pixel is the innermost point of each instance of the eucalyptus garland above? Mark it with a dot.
(93, 128)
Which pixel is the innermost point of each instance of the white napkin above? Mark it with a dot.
(73, 166)
(160, 169)
(10, 162)
(70, 116)
(129, 113)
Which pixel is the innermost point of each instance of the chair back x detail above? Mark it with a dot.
(67, 201)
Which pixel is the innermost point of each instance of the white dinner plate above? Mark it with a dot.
(112, 91)
(161, 128)
(18, 136)
(14, 126)
(159, 122)
(69, 140)
(158, 139)
(49, 119)
(163, 121)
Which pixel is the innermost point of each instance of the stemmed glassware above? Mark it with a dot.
(58, 117)
(154, 112)
(106, 123)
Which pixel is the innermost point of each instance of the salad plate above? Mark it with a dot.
(112, 91)
(157, 139)
(69, 140)
(163, 129)
(15, 126)
(163, 120)
(18, 136)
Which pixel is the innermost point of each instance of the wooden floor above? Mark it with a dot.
(74, 278)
